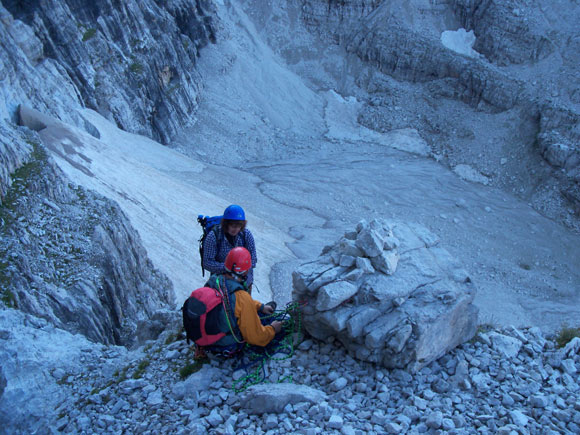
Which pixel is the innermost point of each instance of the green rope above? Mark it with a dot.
(227, 308)
(292, 325)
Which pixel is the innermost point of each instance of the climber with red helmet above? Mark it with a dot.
(232, 232)
(245, 310)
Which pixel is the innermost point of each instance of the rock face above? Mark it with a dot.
(133, 62)
(516, 40)
(72, 258)
(508, 32)
(2, 382)
(389, 294)
(66, 254)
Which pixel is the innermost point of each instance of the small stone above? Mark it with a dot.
(335, 421)
(447, 424)
(305, 345)
(215, 418)
(539, 401)
(392, 427)
(271, 422)
(435, 420)
(155, 398)
(364, 264)
(346, 261)
(507, 400)
(172, 354)
(420, 403)
(348, 430)
(568, 366)
(339, 384)
(518, 418)
(562, 415)
(58, 374)
(459, 421)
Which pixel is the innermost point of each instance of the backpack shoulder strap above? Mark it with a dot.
(218, 237)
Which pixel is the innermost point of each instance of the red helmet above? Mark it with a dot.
(238, 261)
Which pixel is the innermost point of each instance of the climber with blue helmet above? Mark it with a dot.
(232, 232)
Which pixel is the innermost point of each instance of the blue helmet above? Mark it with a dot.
(234, 213)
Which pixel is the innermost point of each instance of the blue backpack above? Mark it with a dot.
(211, 223)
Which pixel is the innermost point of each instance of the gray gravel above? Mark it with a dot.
(478, 387)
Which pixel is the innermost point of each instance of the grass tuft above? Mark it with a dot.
(566, 335)
(191, 367)
(89, 34)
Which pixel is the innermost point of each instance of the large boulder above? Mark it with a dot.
(273, 398)
(390, 294)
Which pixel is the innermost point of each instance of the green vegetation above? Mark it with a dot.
(481, 329)
(172, 338)
(9, 299)
(136, 68)
(9, 214)
(121, 375)
(525, 266)
(64, 380)
(484, 327)
(89, 33)
(173, 88)
(134, 42)
(20, 179)
(141, 369)
(191, 367)
(566, 335)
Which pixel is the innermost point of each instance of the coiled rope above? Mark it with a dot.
(254, 358)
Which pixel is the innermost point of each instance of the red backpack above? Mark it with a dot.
(202, 315)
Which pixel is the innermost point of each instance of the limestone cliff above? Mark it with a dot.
(134, 62)
(66, 254)
(71, 257)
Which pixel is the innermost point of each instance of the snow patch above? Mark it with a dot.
(460, 41)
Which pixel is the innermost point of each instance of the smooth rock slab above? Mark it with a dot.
(273, 398)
